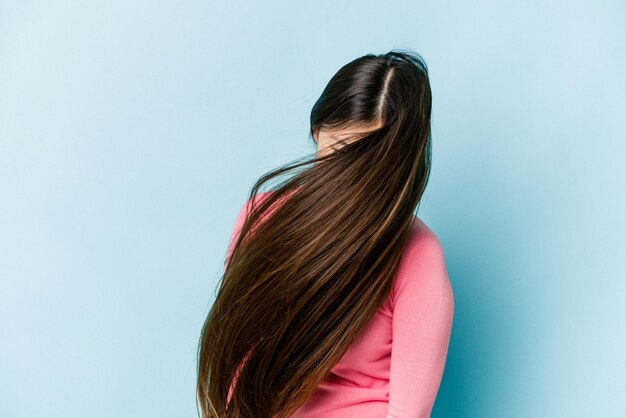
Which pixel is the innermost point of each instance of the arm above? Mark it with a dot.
(423, 308)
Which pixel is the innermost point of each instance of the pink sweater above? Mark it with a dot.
(394, 368)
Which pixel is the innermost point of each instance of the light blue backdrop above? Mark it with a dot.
(131, 132)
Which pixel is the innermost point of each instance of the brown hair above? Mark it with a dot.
(299, 286)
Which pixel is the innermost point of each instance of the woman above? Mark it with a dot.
(335, 300)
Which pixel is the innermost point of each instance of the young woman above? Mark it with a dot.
(335, 300)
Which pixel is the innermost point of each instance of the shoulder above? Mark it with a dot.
(245, 209)
(257, 198)
(422, 272)
(241, 218)
(422, 245)
(420, 234)
(247, 204)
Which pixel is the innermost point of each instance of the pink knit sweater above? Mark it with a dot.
(394, 368)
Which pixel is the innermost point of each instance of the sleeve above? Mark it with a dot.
(423, 308)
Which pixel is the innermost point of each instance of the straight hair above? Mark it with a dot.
(316, 255)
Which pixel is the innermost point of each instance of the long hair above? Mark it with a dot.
(316, 257)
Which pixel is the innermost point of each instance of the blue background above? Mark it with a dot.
(132, 131)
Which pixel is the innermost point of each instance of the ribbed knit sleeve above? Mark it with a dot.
(423, 308)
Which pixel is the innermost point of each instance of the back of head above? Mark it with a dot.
(306, 275)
